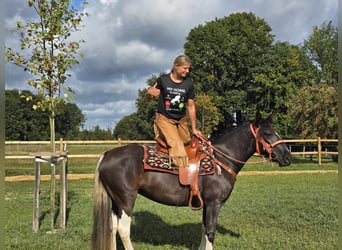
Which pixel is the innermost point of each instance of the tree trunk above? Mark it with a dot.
(52, 131)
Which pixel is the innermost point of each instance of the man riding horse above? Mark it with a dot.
(170, 123)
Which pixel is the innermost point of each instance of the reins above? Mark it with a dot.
(255, 132)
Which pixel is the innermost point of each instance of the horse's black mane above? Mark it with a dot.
(222, 135)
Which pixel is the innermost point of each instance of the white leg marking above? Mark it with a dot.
(114, 229)
(205, 243)
(124, 229)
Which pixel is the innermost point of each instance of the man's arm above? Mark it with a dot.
(192, 116)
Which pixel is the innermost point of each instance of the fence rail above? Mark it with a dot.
(313, 147)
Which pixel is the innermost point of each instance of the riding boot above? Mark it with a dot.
(189, 176)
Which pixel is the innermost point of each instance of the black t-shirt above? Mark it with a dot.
(173, 96)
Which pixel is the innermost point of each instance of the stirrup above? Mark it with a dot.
(200, 200)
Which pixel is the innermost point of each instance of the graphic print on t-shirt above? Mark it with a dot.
(174, 99)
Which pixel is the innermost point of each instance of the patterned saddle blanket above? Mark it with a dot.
(160, 162)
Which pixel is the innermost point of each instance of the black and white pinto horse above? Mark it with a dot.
(120, 177)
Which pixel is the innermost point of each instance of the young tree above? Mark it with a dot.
(47, 52)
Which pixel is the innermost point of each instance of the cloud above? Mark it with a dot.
(128, 41)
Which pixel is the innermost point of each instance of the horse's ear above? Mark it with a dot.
(258, 117)
(269, 118)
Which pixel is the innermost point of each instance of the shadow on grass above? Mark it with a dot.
(150, 229)
(45, 213)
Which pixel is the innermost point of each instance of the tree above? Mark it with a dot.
(21, 122)
(48, 53)
(313, 108)
(69, 121)
(207, 114)
(127, 128)
(282, 71)
(24, 123)
(314, 112)
(321, 47)
(223, 53)
(235, 61)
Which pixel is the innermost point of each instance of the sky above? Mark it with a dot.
(127, 41)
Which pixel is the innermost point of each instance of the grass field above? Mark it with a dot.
(297, 211)
(264, 212)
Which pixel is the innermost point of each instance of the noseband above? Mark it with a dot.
(258, 140)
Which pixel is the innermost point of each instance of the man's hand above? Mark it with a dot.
(197, 133)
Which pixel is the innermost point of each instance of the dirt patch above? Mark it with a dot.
(47, 177)
(91, 176)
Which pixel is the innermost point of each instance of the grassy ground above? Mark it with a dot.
(264, 212)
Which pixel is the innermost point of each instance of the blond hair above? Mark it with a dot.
(181, 60)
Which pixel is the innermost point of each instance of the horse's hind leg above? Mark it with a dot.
(124, 228)
(114, 229)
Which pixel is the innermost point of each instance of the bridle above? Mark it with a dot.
(258, 140)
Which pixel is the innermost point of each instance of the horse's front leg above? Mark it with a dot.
(210, 215)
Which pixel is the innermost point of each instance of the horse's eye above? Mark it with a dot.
(267, 133)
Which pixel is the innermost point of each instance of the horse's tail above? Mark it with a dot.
(102, 223)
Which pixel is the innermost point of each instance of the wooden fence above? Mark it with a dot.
(312, 147)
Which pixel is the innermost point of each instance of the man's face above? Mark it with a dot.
(182, 70)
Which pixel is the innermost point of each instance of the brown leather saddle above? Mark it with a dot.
(194, 149)
(187, 175)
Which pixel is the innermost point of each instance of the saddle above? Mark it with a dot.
(194, 149)
(188, 175)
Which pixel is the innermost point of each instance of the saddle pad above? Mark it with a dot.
(158, 162)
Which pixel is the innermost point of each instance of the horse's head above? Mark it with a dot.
(268, 141)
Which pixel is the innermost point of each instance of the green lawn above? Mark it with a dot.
(264, 212)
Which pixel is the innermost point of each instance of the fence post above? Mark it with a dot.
(319, 148)
(119, 142)
(61, 144)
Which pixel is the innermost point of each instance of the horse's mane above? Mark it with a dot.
(223, 135)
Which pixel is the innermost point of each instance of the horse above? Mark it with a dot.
(120, 176)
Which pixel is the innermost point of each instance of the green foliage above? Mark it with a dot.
(314, 112)
(128, 128)
(235, 62)
(208, 115)
(239, 69)
(222, 53)
(313, 109)
(321, 47)
(24, 123)
(69, 121)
